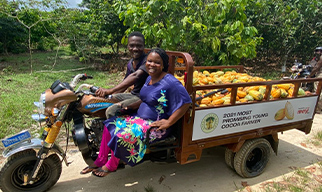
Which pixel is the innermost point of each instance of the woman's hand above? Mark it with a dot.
(162, 124)
(166, 123)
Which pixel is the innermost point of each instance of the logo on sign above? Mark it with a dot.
(304, 110)
(209, 123)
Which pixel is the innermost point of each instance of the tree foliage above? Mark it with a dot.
(109, 29)
(215, 32)
(289, 28)
(15, 40)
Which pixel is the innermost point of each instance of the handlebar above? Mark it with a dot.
(92, 90)
(83, 77)
(79, 77)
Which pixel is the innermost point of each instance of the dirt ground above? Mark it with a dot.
(210, 174)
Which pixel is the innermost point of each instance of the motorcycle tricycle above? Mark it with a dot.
(35, 164)
(248, 130)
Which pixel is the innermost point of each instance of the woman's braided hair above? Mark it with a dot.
(164, 57)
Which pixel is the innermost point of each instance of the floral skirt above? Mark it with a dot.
(128, 136)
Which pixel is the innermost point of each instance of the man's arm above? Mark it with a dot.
(127, 82)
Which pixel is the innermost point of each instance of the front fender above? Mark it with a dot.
(34, 144)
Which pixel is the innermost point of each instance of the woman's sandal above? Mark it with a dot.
(88, 169)
(100, 170)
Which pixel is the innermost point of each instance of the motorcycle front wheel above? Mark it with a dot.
(19, 164)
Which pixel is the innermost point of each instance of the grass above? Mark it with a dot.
(301, 180)
(19, 88)
(317, 139)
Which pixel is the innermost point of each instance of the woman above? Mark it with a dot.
(163, 102)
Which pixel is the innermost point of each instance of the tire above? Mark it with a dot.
(252, 158)
(11, 173)
(229, 158)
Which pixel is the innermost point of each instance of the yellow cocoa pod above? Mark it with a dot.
(214, 97)
(210, 79)
(241, 94)
(276, 93)
(206, 101)
(285, 86)
(262, 90)
(203, 81)
(218, 102)
(249, 98)
(239, 81)
(205, 72)
(195, 80)
(217, 81)
(195, 74)
(219, 96)
(243, 100)
(290, 91)
(199, 93)
(243, 78)
(247, 89)
(284, 93)
(256, 95)
(220, 73)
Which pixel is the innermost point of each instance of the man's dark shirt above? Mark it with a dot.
(140, 82)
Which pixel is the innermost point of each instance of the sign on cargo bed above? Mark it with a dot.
(227, 120)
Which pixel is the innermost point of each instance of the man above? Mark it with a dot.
(317, 69)
(136, 75)
(316, 62)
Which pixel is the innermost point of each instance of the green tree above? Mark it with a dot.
(109, 29)
(215, 32)
(15, 41)
(30, 14)
(289, 28)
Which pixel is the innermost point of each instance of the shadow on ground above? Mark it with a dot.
(209, 174)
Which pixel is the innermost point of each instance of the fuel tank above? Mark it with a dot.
(58, 99)
(94, 106)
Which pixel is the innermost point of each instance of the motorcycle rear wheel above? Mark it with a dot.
(12, 172)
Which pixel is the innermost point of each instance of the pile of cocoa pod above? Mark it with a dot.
(244, 94)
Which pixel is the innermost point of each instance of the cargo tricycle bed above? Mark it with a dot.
(240, 112)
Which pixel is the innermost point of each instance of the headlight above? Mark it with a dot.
(41, 104)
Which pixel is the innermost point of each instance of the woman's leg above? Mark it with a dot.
(110, 166)
(112, 163)
(104, 149)
(103, 153)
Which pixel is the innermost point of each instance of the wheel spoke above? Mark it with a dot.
(12, 173)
